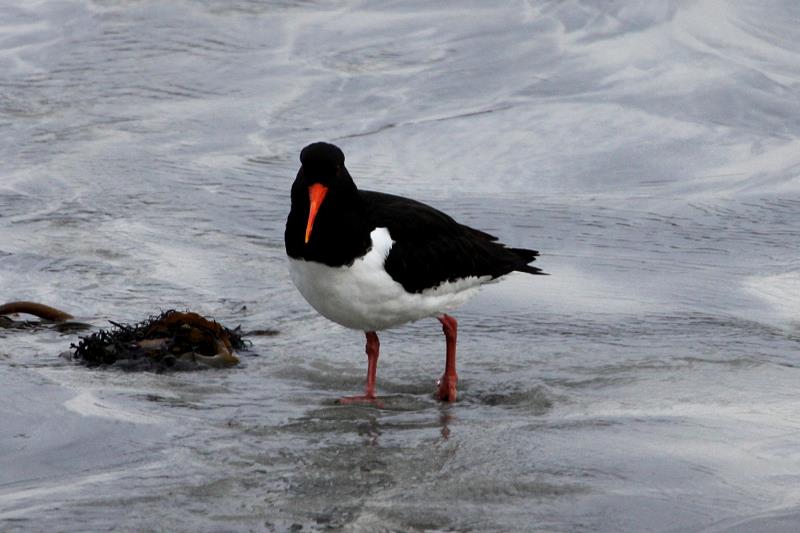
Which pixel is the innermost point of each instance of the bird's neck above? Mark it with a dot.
(340, 233)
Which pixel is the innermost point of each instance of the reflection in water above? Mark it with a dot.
(444, 419)
(370, 431)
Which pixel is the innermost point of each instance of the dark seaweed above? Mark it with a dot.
(119, 345)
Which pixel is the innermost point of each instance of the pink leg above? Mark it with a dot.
(447, 385)
(373, 347)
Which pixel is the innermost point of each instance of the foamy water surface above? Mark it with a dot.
(649, 150)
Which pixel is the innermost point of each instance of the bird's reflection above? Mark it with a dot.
(370, 430)
(445, 417)
(371, 427)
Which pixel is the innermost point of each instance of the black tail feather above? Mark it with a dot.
(528, 256)
(531, 270)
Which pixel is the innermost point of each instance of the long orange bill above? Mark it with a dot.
(316, 193)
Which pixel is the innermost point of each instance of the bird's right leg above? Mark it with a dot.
(447, 385)
(373, 348)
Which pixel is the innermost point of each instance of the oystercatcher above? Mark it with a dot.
(370, 261)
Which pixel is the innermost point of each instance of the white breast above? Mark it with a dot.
(363, 296)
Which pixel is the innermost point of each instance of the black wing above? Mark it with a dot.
(431, 248)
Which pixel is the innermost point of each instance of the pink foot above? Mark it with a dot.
(360, 399)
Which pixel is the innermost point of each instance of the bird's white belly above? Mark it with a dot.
(363, 296)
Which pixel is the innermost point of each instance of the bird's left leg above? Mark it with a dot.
(447, 385)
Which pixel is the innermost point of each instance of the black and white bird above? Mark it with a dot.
(370, 261)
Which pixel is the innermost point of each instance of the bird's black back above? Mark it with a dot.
(431, 248)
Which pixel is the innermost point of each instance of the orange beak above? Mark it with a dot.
(316, 193)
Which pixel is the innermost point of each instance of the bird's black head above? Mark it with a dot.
(325, 201)
(323, 163)
(322, 156)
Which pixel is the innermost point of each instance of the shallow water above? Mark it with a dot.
(650, 152)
